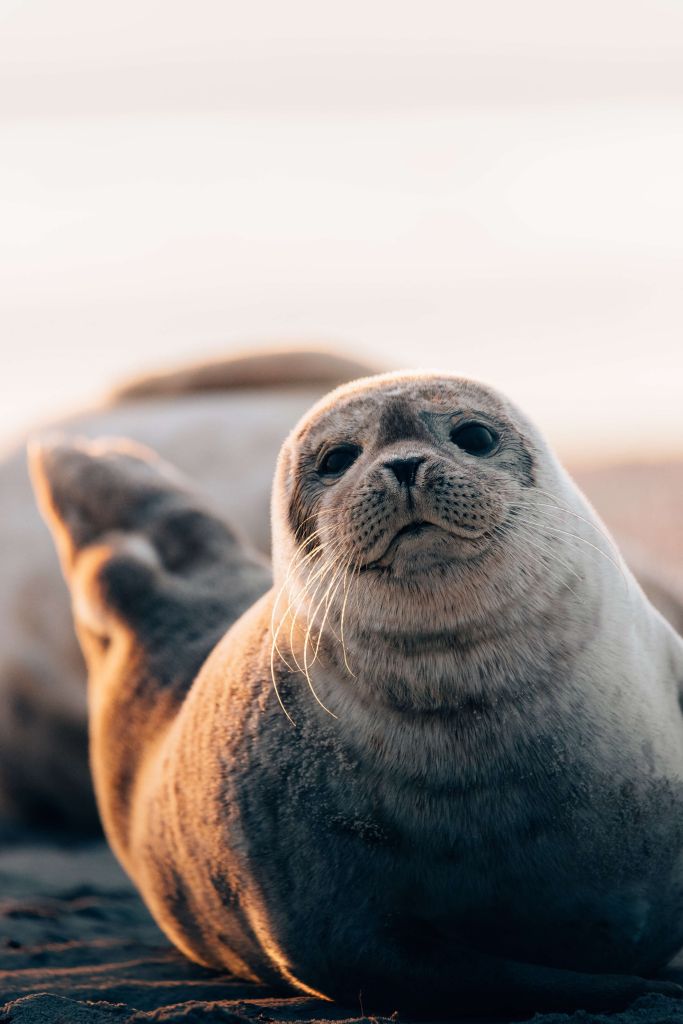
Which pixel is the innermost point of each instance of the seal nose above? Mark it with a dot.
(405, 470)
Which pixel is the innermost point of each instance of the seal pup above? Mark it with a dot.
(438, 763)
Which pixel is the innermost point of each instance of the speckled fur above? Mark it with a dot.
(475, 800)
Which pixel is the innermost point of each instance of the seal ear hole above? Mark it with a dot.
(474, 438)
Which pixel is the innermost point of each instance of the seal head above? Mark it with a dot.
(427, 511)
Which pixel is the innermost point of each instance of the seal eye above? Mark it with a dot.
(337, 460)
(474, 438)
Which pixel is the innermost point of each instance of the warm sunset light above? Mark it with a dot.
(341, 492)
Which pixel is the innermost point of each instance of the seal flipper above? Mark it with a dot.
(139, 548)
(156, 579)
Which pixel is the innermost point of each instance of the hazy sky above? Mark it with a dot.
(491, 187)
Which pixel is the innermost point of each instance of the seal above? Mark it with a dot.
(438, 763)
(191, 417)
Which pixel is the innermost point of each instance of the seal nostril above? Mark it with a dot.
(405, 470)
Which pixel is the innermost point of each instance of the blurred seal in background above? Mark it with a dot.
(222, 423)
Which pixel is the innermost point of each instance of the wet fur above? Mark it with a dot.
(471, 796)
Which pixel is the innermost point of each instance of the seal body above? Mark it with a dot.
(439, 763)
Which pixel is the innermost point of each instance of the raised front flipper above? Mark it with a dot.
(155, 577)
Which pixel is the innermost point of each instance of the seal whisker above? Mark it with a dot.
(296, 601)
(298, 559)
(552, 555)
(335, 583)
(331, 512)
(524, 550)
(275, 686)
(547, 547)
(570, 512)
(275, 647)
(336, 563)
(333, 561)
(320, 574)
(582, 540)
(343, 612)
(307, 664)
(296, 562)
(275, 633)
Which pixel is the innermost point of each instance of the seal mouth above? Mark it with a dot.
(415, 531)
(419, 527)
(411, 531)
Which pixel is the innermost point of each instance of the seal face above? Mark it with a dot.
(441, 760)
(418, 473)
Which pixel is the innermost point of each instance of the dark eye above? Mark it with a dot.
(474, 438)
(337, 460)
